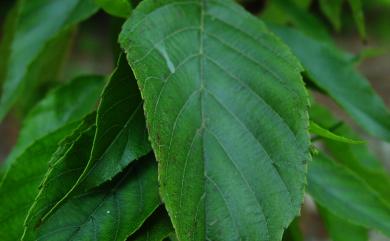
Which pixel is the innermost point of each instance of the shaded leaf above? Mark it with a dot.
(121, 135)
(63, 105)
(38, 22)
(334, 72)
(218, 95)
(346, 195)
(156, 228)
(332, 10)
(111, 212)
(119, 8)
(358, 15)
(340, 229)
(65, 168)
(20, 184)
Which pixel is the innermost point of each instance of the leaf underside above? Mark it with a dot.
(227, 116)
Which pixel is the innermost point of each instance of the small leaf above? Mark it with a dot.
(111, 212)
(156, 228)
(227, 116)
(358, 15)
(321, 131)
(340, 229)
(118, 8)
(61, 106)
(335, 73)
(19, 186)
(346, 195)
(38, 22)
(332, 10)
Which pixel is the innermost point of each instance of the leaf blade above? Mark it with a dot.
(182, 107)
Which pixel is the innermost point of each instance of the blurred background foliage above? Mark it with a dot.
(92, 48)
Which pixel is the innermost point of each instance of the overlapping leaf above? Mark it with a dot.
(334, 72)
(356, 157)
(156, 228)
(63, 105)
(121, 135)
(111, 212)
(226, 112)
(20, 184)
(37, 23)
(323, 132)
(347, 196)
(65, 168)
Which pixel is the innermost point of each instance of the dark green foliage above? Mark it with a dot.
(204, 131)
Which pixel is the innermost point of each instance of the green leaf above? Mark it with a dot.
(38, 22)
(19, 186)
(61, 106)
(358, 15)
(121, 135)
(64, 169)
(218, 92)
(334, 72)
(120, 138)
(156, 228)
(323, 132)
(119, 8)
(332, 10)
(346, 195)
(356, 157)
(111, 212)
(340, 229)
(289, 12)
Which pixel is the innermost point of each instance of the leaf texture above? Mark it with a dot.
(64, 169)
(121, 135)
(111, 212)
(227, 118)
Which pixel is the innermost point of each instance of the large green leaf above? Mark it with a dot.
(227, 116)
(20, 184)
(340, 229)
(156, 228)
(109, 213)
(63, 105)
(121, 135)
(334, 72)
(64, 170)
(347, 196)
(38, 22)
